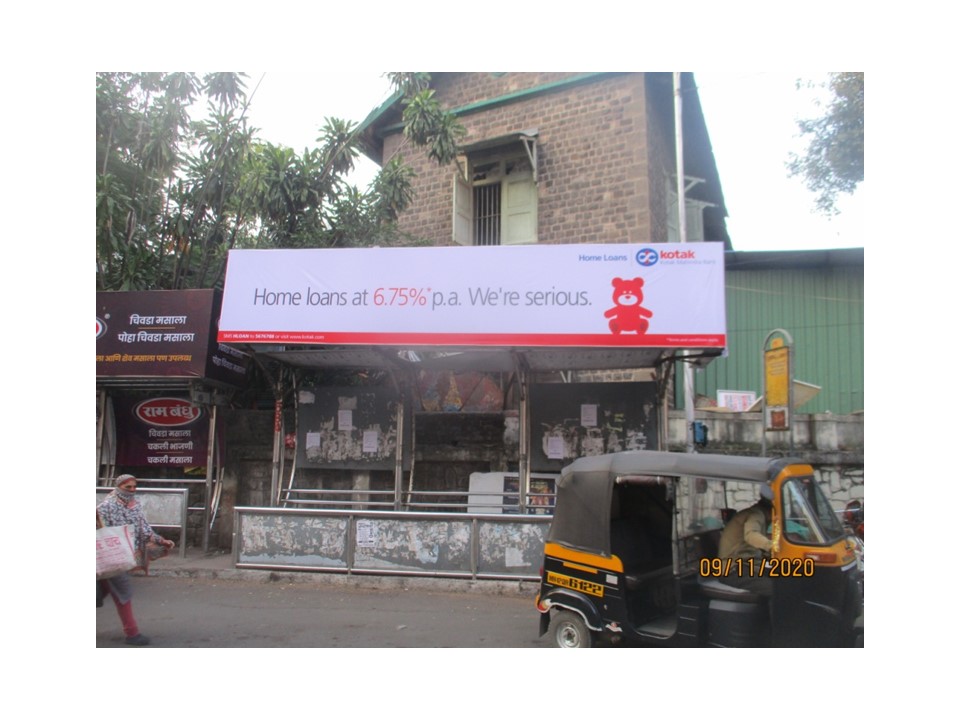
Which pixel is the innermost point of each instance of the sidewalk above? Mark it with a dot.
(218, 565)
(196, 563)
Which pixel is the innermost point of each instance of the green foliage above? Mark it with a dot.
(393, 188)
(228, 89)
(174, 195)
(427, 125)
(833, 161)
(409, 84)
(339, 149)
(147, 217)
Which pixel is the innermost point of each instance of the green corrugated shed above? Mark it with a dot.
(816, 296)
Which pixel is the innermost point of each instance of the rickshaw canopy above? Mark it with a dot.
(585, 487)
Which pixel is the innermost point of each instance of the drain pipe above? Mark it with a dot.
(689, 396)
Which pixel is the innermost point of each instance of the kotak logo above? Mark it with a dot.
(167, 412)
(678, 255)
(101, 328)
(648, 256)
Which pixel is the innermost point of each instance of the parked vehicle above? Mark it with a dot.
(853, 517)
(632, 555)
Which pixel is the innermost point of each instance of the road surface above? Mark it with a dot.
(180, 612)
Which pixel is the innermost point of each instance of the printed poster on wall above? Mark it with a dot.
(346, 428)
(662, 295)
(626, 418)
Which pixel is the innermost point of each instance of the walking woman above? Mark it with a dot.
(122, 508)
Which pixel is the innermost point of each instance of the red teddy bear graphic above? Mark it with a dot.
(627, 314)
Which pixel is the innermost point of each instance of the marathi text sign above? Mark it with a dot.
(161, 432)
(778, 375)
(164, 333)
(663, 295)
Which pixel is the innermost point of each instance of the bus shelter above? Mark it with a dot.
(518, 313)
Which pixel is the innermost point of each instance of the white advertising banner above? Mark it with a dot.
(662, 295)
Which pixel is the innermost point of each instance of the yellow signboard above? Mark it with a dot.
(777, 368)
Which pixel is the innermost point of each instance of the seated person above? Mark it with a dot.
(745, 538)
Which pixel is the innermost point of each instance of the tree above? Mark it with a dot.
(833, 161)
(174, 195)
(154, 221)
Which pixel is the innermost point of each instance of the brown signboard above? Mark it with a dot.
(164, 334)
(161, 432)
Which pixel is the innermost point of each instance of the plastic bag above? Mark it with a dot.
(115, 551)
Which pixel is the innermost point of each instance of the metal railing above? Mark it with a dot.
(417, 500)
(164, 508)
(371, 542)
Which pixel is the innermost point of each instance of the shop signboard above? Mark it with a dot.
(161, 432)
(165, 334)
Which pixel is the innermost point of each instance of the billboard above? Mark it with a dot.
(164, 333)
(663, 295)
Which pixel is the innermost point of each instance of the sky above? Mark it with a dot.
(751, 118)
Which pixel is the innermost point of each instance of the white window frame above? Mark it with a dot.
(518, 194)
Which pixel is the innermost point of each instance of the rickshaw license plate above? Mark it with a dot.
(591, 588)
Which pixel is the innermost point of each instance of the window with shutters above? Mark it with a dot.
(495, 197)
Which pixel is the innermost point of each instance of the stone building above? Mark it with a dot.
(558, 158)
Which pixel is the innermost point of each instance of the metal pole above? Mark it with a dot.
(398, 466)
(790, 392)
(763, 399)
(277, 446)
(689, 394)
(413, 447)
(101, 423)
(524, 465)
(208, 486)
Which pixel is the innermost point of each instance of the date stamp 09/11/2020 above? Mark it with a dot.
(755, 568)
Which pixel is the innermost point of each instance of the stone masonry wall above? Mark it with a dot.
(594, 167)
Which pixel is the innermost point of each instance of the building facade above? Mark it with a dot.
(558, 158)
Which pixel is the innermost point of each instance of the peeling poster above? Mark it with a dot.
(513, 557)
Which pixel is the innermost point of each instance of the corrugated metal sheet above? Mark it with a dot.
(821, 308)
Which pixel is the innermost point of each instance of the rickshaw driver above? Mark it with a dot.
(745, 537)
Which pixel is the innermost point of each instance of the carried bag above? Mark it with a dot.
(115, 554)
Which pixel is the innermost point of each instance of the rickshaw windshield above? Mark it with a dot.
(808, 518)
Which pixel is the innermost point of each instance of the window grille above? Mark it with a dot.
(486, 204)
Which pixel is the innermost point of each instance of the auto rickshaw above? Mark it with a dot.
(632, 556)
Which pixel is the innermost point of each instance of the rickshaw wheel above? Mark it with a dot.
(570, 631)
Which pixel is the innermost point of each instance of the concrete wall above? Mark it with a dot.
(832, 444)
(819, 438)
(247, 468)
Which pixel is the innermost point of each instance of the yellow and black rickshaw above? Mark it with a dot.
(632, 556)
